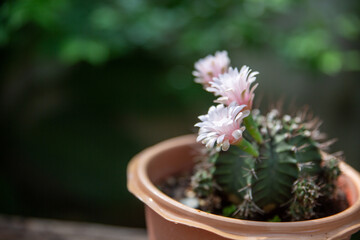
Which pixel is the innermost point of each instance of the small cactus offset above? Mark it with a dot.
(261, 164)
(306, 193)
(202, 182)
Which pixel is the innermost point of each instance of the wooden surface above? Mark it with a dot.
(17, 228)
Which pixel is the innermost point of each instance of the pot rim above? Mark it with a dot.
(138, 182)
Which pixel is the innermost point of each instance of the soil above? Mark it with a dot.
(178, 188)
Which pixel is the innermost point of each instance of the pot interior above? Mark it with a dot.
(172, 161)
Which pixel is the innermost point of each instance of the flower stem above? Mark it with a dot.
(246, 146)
(252, 128)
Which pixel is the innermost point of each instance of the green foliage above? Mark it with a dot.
(229, 210)
(75, 50)
(276, 218)
(96, 31)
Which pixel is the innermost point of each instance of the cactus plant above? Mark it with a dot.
(261, 164)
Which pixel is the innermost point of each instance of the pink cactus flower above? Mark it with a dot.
(234, 86)
(211, 66)
(222, 126)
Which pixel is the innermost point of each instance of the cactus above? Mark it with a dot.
(289, 170)
(273, 162)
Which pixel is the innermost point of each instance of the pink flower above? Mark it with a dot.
(234, 86)
(222, 126)
(211, 66)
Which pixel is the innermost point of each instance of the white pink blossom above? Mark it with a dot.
(211, 66)
(222, 126)
(234, 86)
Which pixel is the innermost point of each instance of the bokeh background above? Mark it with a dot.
(85, 85)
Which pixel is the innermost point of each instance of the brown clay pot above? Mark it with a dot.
(168, 219)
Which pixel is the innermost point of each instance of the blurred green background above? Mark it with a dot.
(85, 85)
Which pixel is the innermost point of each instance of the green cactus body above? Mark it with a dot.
(288, 153)
(232, 175)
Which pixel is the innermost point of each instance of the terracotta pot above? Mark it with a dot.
(168, 219)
